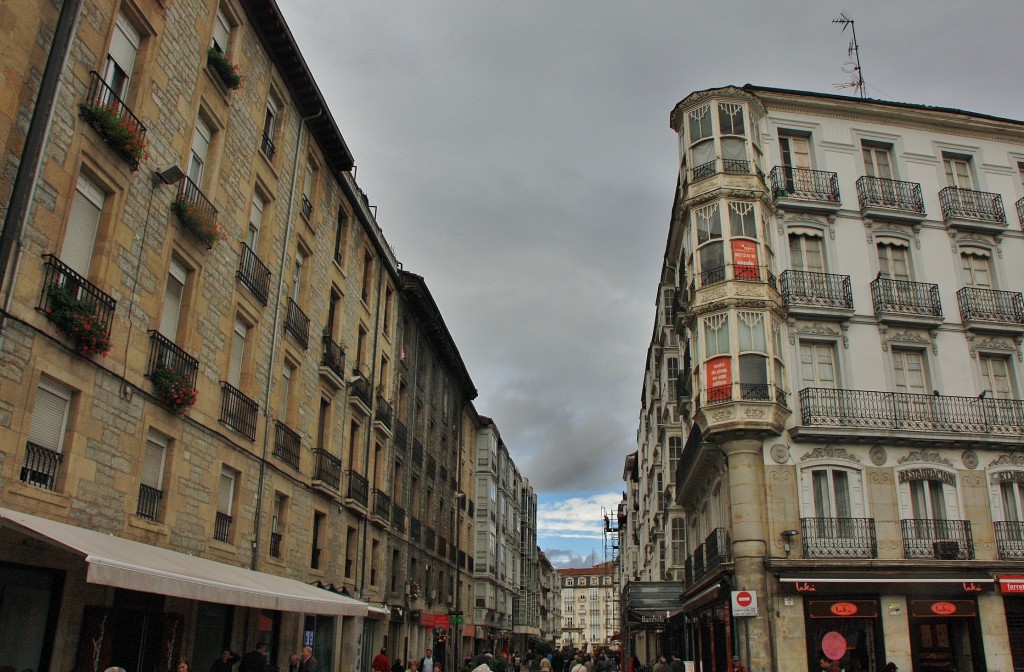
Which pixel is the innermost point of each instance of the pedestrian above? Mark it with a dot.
(397, 666)
(308, 662)
(545, 665)
(662, 665)
(182, 665)
(578, 665)
(380, 662)
(255, 660)
(427, 662)
(737, 665)
(890, 667)
(225, 662)
(293, 662)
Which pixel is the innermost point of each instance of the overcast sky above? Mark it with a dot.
(520, 159)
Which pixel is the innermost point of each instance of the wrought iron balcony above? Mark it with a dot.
(149, 503)
(297, 324)
(698, 562)
(333, 357)
(67, 299)
(968, 208)
(727, 166)
(818, 290)
(716, 548)
(196, 212)
(429, 538)
(804, 184)
(41, 466)
(307, 207)
(381, 505)
(314, 558)
(384, 413)
(238, 411)
(880, 195)
(1020, 211)
(417, 452)
(826, 407)
(431, 467)
(398, 518)
(991, 305)
(738, 391)
(358, 488)
(904, 297)
(741, 272)
(327, 469)
(253, 274)
(287, 444)
(222, 527)
(1010, 539)
(267, 146)
(401, 436)
(415, 529)
(937, 539)
(105, 111)
(839, 537)
(166, 355)
(275, 544)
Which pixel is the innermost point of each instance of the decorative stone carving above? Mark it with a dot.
(830, 452)
(970, 459)
(1008, 460)
(878, 455)
(722, 415)
(925, 455)
(754, 413)
(993, 342)
(898, 230)
(780, 453)
(913, 336)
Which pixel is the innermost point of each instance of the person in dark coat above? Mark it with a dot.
(308, 662)
(226, 662)
(255, 660)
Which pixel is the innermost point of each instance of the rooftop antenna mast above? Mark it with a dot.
(852, 67)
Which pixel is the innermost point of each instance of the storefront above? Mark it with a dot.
(707, 628)
(1012, 590)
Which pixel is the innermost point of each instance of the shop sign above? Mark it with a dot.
(744, 259)
(843, 609)
(942, 608)
(720, 379)
(1011, 585)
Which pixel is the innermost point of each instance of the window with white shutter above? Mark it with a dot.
(153, 461)
(238, 337)
(226, 491)
(46, 435)
(255, 219)
(221, 32)
(83, 222)
(170, 314)
(200, 148)
(124, 46)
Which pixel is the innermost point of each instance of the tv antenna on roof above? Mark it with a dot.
(852, 67)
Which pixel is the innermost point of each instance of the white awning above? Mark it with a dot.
(122, 563)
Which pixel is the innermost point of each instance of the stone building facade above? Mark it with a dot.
(590, 607)
(843, 278)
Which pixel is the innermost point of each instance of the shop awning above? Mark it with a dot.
(122, 563)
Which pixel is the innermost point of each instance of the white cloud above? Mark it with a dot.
(576, 517)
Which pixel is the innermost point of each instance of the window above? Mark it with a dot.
(174, 294)
(297, 275)
(201, 138)
(958, 171)
(277, 512)
(221, 32)
(374, 561)
(1011, 494)
(753, 367)
(818, 364)
(894, 260)
(742, 222)
(877, 161)
(318, 525)
(340, 236)
(238, 338)
(928, 500)
(831, 488)
(996, 376)
(795, 151)
(675, 451)
(307, 190)
(255, 219)
(151, 481)
(285, 390)
(702, 143)
(83, 222)
(806, 253)
(909, 372)
(124, 47)
(44, 451)
(977, 267)
(270, 126)
(678, 531)
(225, 504)
(716, 335)
(367, 287)
(730, 118)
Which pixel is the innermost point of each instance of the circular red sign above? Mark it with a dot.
(833, 645)
(943, 608)
(743, 598)
(843, 609)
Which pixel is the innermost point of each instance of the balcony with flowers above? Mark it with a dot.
(173, 374)
(197, 214)
(227, 71)
(114, 122)
(78, 309)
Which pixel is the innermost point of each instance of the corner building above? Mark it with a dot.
(844, 278)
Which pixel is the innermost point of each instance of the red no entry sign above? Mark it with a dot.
(744, 603)
(743, 598)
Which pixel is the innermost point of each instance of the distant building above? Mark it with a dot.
(590, 607)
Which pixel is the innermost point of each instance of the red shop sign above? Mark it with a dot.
(720, 379)
(942, 608)
(1011, 585)
(744, 259)
(843, 608)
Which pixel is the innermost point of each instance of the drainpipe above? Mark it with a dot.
(257, 517)
(27, 177)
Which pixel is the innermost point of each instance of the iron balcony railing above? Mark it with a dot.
(297, 324)
(905, 297)
(193, 205)
(401, 436)
(415, 529)
(827, 407)
(287, 444)
(417, 453)
(238, 411)
(937, 539)
(744, 391)
(839, 537)
(716, 548)
(307, 207)
(398, 518)
(1020, 211)
(149, 503)
(742, 272)
(267, 146)
(384, 412)
(358, 487)
(877, 192)
(968, 204)
(429, 538)
(360, 388)
(327, 469)
(166, 355)
(806, 288)
(314, 558)
(333, 356)
(253, 274)
(431, 467)
(275, 544)
(728, 166)
(381, 504)
(699, 569)
(102, 100)
(58, 277)
(1010, 539)
(41, 466)
(990, 305)
(804, 184)
(222, 527)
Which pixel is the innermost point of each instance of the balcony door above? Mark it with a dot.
(795, 151)
(878, 164)
(977, 269)
(929, 510)
(807, 257)
(817, 364)
(83, 223)
(894, 264)
(958, 171)
(124, 47)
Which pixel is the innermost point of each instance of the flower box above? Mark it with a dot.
(79, 319)
(199, 221)
(174, 388)
(225, 69)
(126, 136)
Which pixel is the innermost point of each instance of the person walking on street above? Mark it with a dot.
(737, 665)
(255, 660)
(380, 662)
(227, 660)
(293, 662)
(308, 662)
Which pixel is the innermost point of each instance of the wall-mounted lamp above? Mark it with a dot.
(787, 539)
(171, 175)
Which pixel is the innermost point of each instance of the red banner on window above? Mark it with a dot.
(719, 379)
(744, 260)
